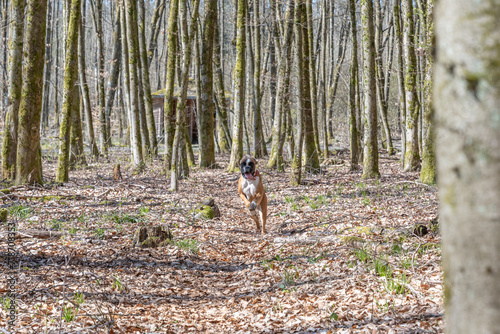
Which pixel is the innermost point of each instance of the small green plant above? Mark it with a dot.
(79, 298)
(382, 268)
(20, 211)
(313, 205)
(73, 230)
(117, 284)
(144, 210)
(289, 277)
(366, 201)
(6, 303)
(333, 315)
(307, 199)
(100, 233)
(56, 224)
(82, 219)
(288, 199)
(295, 207)
(322, 200)
(361, 255)
(406, 263)
(189, 245)
(397, 249)
(69, 313)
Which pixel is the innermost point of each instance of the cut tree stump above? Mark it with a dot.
(152, 236)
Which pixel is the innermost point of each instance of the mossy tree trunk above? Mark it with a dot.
(77, 155)
(133, 55)
(29, 160)
(9, 144)
(276, 157)
(302, 91)
(146, 84)
(310, 150)
(239, 88)
(467, 99)
(353, 83)
(207, 113)
(170, 82)
(69, 91)
(322, 83)
(412, 157)
(428, 171)
(370, 156)
(48, 66)
(84, 90)
(187, 41)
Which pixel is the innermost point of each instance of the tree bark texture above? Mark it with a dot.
(29, 160)
(69, 91)
(370, 155)
(467, 99)
(9, 145)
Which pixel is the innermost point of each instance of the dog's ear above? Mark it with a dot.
(254, 161)
(244, 158)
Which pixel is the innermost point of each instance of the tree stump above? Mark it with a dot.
(152, 236)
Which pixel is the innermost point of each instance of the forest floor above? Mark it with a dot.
(341, 255)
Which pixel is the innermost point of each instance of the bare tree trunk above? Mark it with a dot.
(370, 156)
(222, 109)
(207, 113)
(467, 96)
(146, 85)
(103, 136)
(187, 40)
(258, 138)
(155, 29)
(170, 79)
(85, 90)
(312, 77)
(133, 52)
(114, 72)
(400, 72)
(29, 160)
(300, 12)
(412, 158)
(48, 68)
(322, 84)
(9, 145)
(353, 128)
(239, 89)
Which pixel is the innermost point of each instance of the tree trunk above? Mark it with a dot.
(114, 72)
(170, 79)
(146, 84)
(312, 77)
(48, 67)
(207, 112)
(187, 40)
(69, 91)
(428, 171)
(29, 160)
(467, 96)
(300, 37)
(239, 89)
(133, 53)
(77, 156)
(353, 128)
(85, 90)
(155, 29)
(370, 156)
(324, 39)
(9, 145)
(103, 135)
(276, 158)
(412, 158)
(400, 72)
(222, 110)
(258, 138)
(379, 69)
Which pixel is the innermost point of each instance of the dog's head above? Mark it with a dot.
(248, 167)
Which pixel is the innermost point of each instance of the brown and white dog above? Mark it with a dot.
(252, 192)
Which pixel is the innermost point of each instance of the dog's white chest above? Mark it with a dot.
(250, 187)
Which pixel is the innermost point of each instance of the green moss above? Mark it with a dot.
(3, 215)
(203, 212)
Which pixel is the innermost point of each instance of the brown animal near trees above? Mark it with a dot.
(117, 174)
(252, 192)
